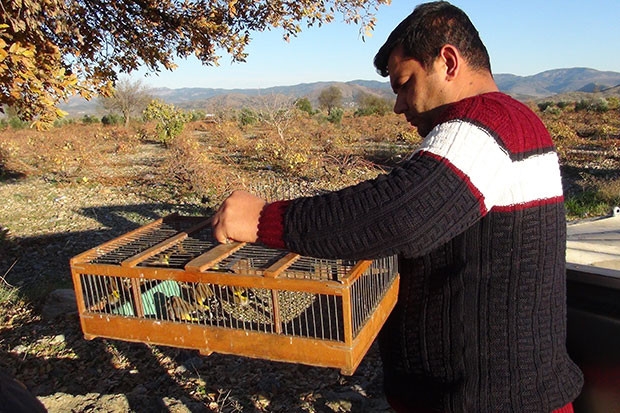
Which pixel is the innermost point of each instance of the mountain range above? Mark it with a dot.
(556, 84)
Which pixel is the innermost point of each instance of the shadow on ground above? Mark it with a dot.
(54, 360)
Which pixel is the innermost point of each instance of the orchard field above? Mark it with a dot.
(83, 182)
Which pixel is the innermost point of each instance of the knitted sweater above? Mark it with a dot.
(476, 216)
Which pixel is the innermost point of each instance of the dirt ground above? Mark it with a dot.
(51, 221)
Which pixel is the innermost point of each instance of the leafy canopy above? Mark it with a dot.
(170, 120)
(53, 49)
(330, 98)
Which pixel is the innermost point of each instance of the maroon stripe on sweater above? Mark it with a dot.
(530, 204)
(518, 129)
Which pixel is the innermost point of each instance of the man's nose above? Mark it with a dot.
(400, 106)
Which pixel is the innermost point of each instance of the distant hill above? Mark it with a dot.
(557, 81)
(236, 98)
(553, 84)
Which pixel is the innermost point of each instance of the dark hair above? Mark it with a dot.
(430, 27)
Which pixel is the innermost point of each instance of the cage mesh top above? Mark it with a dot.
(197, 239)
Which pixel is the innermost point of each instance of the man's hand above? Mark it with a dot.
(237, 218)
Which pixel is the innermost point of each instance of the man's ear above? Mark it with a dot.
(452, 59)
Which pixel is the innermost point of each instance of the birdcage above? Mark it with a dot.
(171, 283)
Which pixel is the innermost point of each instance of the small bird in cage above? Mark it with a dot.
(112, 290)
(162, 259)
(201, 295)
(180, 249)
(241, 296)
(242, 266)
(181, 310)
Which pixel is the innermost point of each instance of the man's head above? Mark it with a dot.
(427, 29)
(433, 58)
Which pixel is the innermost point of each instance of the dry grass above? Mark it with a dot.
(588, 143)
(208, 159)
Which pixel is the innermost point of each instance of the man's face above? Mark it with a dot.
(419, 93)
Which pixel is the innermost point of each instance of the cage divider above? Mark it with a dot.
(347, 314)
(356, 272)
(137, 298)
(210, 258)
(282, 264)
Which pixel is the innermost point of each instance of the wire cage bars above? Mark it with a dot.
(170, 283)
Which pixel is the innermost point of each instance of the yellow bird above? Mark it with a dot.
(240, 296)
(163, 259)
(112, 294)
(203, 295)
(179, 309)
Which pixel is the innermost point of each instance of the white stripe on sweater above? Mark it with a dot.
(502, 182)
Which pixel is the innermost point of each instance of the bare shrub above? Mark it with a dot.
(194, 169)
(62, 154)
(375, 128)
(227, 134)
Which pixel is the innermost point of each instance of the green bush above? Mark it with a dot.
(16, 123)
(63, 121)
(304, 105)
(582, 105)
(600, 106)
(111, 119)
(90, 119)
(542, 106)
(372, 105)
(247, 117)
(587, 204)
(335, 116)
(170, 120)
(197, 115)
(553, 110)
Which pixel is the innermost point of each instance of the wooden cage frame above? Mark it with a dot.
(361, 318)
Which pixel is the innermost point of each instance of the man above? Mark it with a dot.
(476, 216)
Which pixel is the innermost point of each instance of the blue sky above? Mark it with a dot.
(524, 37)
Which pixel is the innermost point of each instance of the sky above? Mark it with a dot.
(523, 37)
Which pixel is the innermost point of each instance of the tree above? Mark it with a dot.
(129, 98)
(277, 112)
(304, 105)
(369, 104)
(330, 98)
(170, 120)
(52, 49)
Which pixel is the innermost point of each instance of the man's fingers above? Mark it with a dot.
(237, 218)
(218, 231)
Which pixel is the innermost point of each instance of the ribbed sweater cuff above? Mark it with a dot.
(566, 409)
(271, 224)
